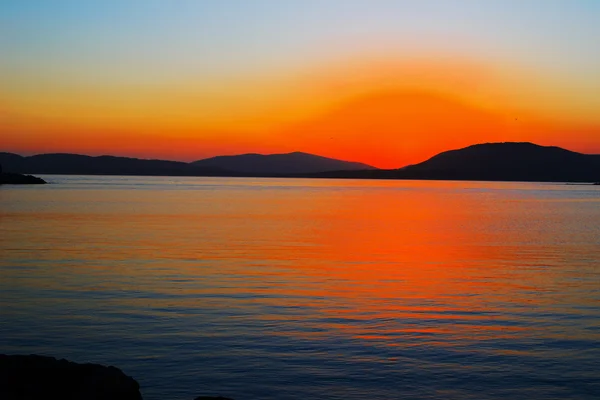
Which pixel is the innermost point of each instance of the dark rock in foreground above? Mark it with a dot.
(19, 179)
(211, 398)
(38, 377)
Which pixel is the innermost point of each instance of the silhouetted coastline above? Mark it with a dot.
(524, 162)
(509, 161)
(20, 179)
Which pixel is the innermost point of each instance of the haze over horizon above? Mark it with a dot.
(386, 83)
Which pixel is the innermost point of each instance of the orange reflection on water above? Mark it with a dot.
(379, 261)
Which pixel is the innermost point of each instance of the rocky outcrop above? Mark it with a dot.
(211, 398)
(38, 377)
(19, 179)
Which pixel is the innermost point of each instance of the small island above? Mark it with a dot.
(8, 178)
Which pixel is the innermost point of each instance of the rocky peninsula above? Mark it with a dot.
(9, 178)
(20, 179)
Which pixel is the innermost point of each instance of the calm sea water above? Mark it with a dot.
(309, 289)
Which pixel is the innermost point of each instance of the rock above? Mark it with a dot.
(37, 377)
(211, 398)
(19, 179)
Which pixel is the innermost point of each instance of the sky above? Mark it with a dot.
(385, 82)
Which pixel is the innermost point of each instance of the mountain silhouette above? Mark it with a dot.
(509, 161)
(242, 165)
(289, 163)
(64, 163)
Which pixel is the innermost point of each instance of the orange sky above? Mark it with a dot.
(385, 113)
(385, 83)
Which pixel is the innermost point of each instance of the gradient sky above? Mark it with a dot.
(386, 82)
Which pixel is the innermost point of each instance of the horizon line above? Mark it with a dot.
(287, 153)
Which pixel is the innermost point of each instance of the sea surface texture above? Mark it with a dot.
(309, 289)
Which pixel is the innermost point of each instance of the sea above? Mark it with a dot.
(291, 289)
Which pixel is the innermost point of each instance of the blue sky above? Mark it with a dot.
(187, 36)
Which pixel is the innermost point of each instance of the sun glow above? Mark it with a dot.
(390, 95)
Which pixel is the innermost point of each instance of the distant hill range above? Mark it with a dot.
(496, 162)
(290, 163)
(240, 165)
(488, 162)
(75, 164)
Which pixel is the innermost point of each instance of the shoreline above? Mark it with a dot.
(10, 178)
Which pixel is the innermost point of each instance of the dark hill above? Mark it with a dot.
(510, 162)
(277, 164)
(241, 165)
(496, 162)
(102, 165)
